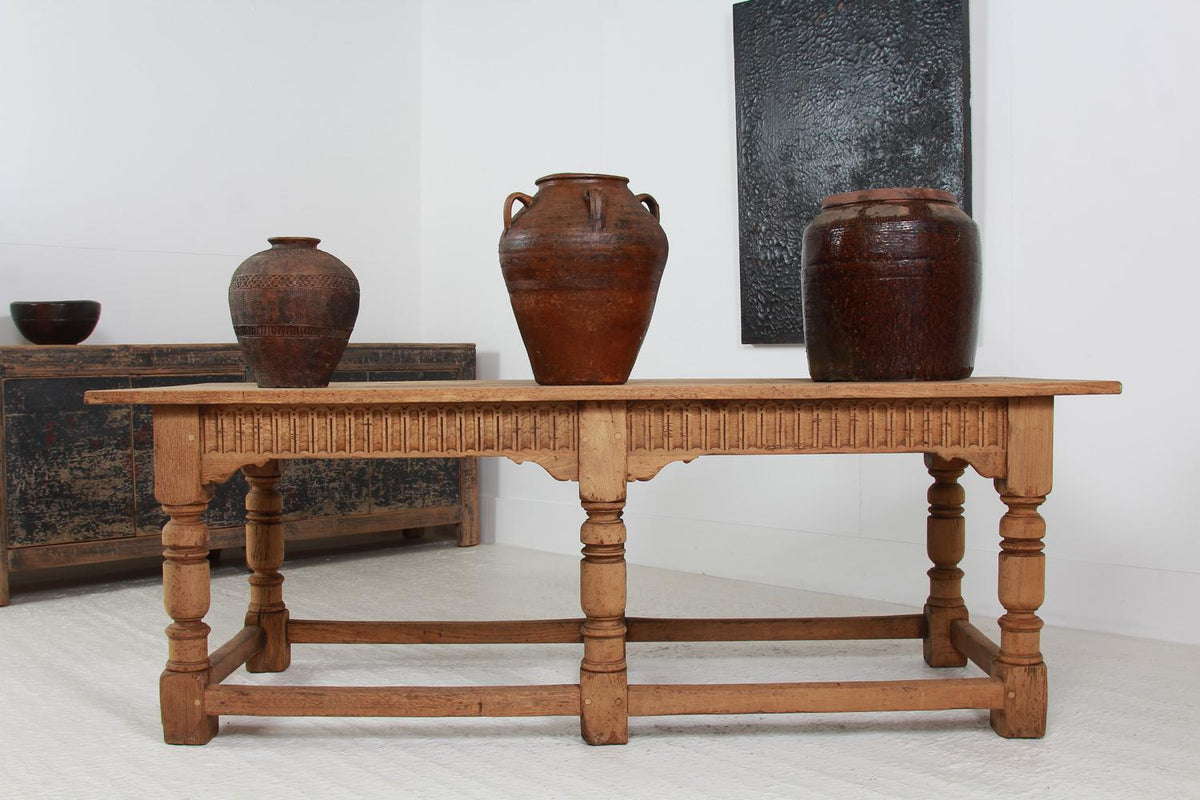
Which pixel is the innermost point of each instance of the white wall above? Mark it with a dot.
(1081, 180)
(149, 146)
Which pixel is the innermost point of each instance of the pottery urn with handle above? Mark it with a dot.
(582, 260)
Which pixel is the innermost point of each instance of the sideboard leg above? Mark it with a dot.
(1023, 569)
(604, 708)
(945, 537)
(264, 556)
(468, 497)
(178, 487)
(4, 590)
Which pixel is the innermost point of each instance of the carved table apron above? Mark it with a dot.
(603, 437)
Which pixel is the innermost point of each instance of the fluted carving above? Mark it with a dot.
(658, 432)
(661, 432)
(544, 433)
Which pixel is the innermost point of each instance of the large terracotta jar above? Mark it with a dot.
(891, 287)
(582, 261)
(293, 309)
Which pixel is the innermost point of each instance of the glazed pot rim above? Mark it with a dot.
(895, 193)
(579, 176)
(77, 305)
(52, 302)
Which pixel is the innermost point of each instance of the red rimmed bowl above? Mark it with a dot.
(55, 321)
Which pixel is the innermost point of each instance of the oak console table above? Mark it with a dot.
(602, 437)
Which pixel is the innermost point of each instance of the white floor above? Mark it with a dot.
(79, 668)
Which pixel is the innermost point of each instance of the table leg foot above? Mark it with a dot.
(936, 647)
(276, 653)
(605, 708)
(181, 695)
(1024, 712)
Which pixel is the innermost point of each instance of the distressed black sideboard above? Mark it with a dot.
(77, 482)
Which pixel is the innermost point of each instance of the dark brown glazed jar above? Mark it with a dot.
(293, 308)
(891, 287)
(582, 262)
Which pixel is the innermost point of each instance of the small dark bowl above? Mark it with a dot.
(56, 322)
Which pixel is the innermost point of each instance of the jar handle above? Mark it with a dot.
(595, 201)
(651, 204)
(526, 201)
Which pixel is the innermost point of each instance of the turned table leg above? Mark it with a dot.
(185, 576)
(604, 708)
(264, 556)
(945, 536)
(1023, 569)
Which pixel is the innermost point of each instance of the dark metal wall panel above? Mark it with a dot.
(836, 96)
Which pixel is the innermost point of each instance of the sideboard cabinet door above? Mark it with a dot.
(68, 474)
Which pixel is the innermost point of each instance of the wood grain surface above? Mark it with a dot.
(511, 391)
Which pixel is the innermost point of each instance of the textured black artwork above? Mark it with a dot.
(835, 96)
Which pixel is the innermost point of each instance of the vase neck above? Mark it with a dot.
(575, 177)
(293, 241)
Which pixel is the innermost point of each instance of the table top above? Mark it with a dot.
(511, 391)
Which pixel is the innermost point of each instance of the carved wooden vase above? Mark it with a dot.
(582, 261)
(293, 308)
(891, 287)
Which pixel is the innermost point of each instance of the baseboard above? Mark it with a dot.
(1108, 598)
